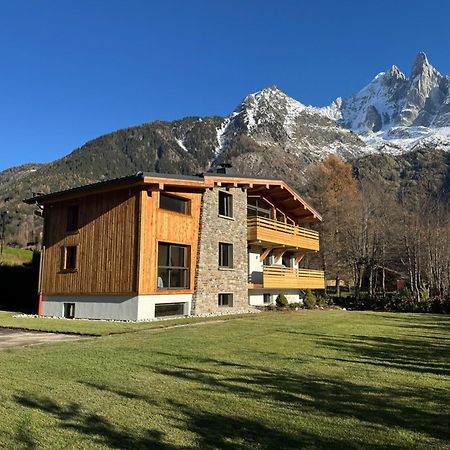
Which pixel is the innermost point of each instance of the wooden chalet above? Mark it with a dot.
(152, 245)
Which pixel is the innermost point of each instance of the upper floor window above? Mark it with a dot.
(225, 255)
(225, 204)
(175, 204)
(72, 217)
(173, 266)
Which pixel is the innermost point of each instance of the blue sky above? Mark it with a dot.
(73, 70)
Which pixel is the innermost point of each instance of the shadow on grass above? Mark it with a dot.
(211, 430)
(388, 407)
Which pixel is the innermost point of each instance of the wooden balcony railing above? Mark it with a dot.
(260, 229)
(284, 278)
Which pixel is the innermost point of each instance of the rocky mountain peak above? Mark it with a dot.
(395, 72)
(420, 65)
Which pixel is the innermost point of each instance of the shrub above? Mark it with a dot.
(294, 305)
(281, 300)
(310, 299)
(325, 300)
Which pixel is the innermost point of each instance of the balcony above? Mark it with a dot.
(268, 232)
(286, 278)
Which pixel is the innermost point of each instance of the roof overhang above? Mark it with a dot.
(276, 191)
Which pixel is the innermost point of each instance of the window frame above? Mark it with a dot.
(229, 253)
(228, 205)
(186, 268)
(187, 202)
(229, 296)
(65, 258)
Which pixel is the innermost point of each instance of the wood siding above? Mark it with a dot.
(286, 278)
(158, 225)
(106, 243)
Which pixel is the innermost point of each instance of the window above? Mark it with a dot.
(225, 299)
(70, 258)
(169, 309)
(173, 266)
(225, 255)
(225, 204)
(267, 299)
(257, 207)
(69, 310)
(72, 218)
(175, 204)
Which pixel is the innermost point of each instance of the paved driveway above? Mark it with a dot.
(18, 338)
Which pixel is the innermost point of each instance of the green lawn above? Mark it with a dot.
(96, 327)
(313, 379)
(13, 255)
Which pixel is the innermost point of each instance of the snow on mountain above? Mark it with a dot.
(393, 114)
(396, 113)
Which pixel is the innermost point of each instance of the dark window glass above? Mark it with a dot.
(70, 260)
(267, 298)
(225, 204)
(69, 310)
(257, 207)
(173, 266)
(225, 299)
(225, 255)
(176, 204)
(72, 218)
(169, 309)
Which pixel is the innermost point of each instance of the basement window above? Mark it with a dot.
(225, 204)
(169, 309)
(72, 217)
(225, 300)
(69, 310)
(267, 299)
(225, 255)
(174, 204)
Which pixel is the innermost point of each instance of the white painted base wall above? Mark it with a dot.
(112, 307)
(256, 296)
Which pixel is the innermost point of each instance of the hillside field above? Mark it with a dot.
(309, 379)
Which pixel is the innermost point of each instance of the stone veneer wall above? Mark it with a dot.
(209, 279)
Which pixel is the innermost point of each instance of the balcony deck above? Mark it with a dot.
(269, 232)
(286, 278)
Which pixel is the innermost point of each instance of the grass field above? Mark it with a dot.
(15, 256)
(312, 379)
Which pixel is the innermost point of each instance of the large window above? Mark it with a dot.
(175, 204)
(225, 255)
(72, 218)
(173, 266)
(69, 258)
(225, 300)
(225, 204)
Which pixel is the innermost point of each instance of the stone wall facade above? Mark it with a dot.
(210, 280)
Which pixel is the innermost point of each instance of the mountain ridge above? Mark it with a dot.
(268, 134)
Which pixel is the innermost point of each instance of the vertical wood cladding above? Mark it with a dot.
(106, 242)
(159, 225)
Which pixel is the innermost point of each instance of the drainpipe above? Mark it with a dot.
(41, 280)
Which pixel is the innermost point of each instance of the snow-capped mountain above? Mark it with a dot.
(397, 113)
(392, 114)
(273, 119)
